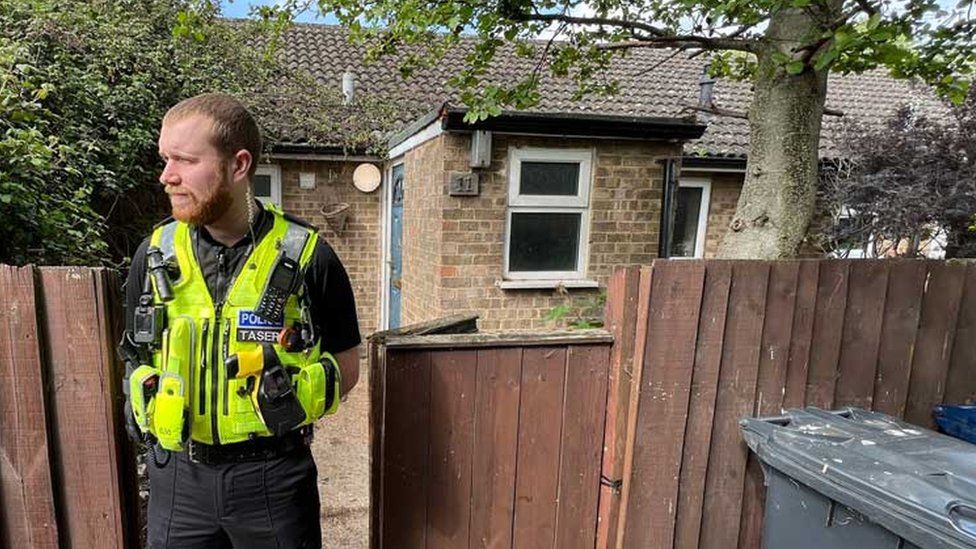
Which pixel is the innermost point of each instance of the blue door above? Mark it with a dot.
(396, 249)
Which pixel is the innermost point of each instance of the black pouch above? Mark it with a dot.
(276, 397)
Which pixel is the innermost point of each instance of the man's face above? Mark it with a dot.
(196, 176)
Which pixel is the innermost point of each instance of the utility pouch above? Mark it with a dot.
(143, 385)
(317, 387)
(169, 416)
(310, 389)
(280, 408)
(276, 399)
(333, 380)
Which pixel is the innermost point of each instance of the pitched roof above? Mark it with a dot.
(652, 83)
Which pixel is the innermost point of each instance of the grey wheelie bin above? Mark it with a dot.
(862, 480)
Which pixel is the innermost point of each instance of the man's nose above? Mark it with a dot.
(169, 175)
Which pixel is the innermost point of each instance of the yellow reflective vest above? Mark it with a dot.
(201, 334)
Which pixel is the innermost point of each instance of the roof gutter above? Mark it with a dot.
(303, 151)
(576, 125)
(714, 163)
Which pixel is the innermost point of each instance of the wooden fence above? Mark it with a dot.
(701, 344)
(65, 471)
(488, 440)
(547, 440)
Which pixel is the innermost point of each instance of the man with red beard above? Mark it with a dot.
(223, 301)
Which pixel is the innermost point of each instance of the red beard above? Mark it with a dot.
(201, 211)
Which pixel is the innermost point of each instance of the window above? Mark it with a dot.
(267, 184)
(691, 218)
(548, 214)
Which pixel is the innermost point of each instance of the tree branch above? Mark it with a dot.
(718, 111)
(684, 42)
(659, 37)
(574, 20)
(866, 7)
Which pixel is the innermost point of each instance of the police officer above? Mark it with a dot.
(241, 331)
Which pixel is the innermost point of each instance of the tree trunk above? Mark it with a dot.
(778, 196)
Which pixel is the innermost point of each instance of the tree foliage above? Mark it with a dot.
(83, 87)
(913, 38)
(903, 185)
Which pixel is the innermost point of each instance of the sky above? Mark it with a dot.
(239, 8)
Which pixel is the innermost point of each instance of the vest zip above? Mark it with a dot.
(215, 339)
(202, 397)
(226, 378)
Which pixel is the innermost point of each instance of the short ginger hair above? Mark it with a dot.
(234, 128)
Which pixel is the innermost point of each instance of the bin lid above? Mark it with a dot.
(915, 482)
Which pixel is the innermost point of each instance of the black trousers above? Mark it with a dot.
(250, 505)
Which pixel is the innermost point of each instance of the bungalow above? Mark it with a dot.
(516, 215)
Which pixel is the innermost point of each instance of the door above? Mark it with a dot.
(396, 238)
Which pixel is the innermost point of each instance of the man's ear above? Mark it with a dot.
(242, 164)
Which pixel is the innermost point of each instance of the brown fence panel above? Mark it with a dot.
(724, 481)
(406, 436)
(452, 389)
(67, 473)
(828, 328)
(903, 305)
(491, 440)
(936, 331)
(27, 511)
(961, 381)
(701, 407)
(665, 390)
(543, 386)
(858, 362)
(584, 411)
(801, 336)
(773, 364)
(896, 336)
(496, 437)
(83, 377)
(621, 321)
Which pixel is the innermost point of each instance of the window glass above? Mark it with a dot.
(549, 178)
(544, 241)
(686, 221)
(262, 185)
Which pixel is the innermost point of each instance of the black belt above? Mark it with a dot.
(257, 449)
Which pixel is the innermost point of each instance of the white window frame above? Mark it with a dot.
(580, 203)
(706, 199)
(274, 171)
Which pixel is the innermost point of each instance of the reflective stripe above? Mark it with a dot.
(166, 241)
(294, 241)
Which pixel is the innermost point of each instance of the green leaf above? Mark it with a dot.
(795, 67)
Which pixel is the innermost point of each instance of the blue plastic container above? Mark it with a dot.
(957, 421)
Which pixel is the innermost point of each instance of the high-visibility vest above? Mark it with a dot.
(201, 334)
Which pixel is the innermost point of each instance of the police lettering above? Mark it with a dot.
(247, 319)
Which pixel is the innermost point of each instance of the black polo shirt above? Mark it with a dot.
(332, 304)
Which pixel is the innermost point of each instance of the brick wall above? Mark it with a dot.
(721, 209)
(423, 199)
(463, 237)
(358, 245)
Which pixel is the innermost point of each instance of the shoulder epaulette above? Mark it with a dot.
(166, 221)
(299, 221)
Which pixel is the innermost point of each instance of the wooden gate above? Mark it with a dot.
(488, 440)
